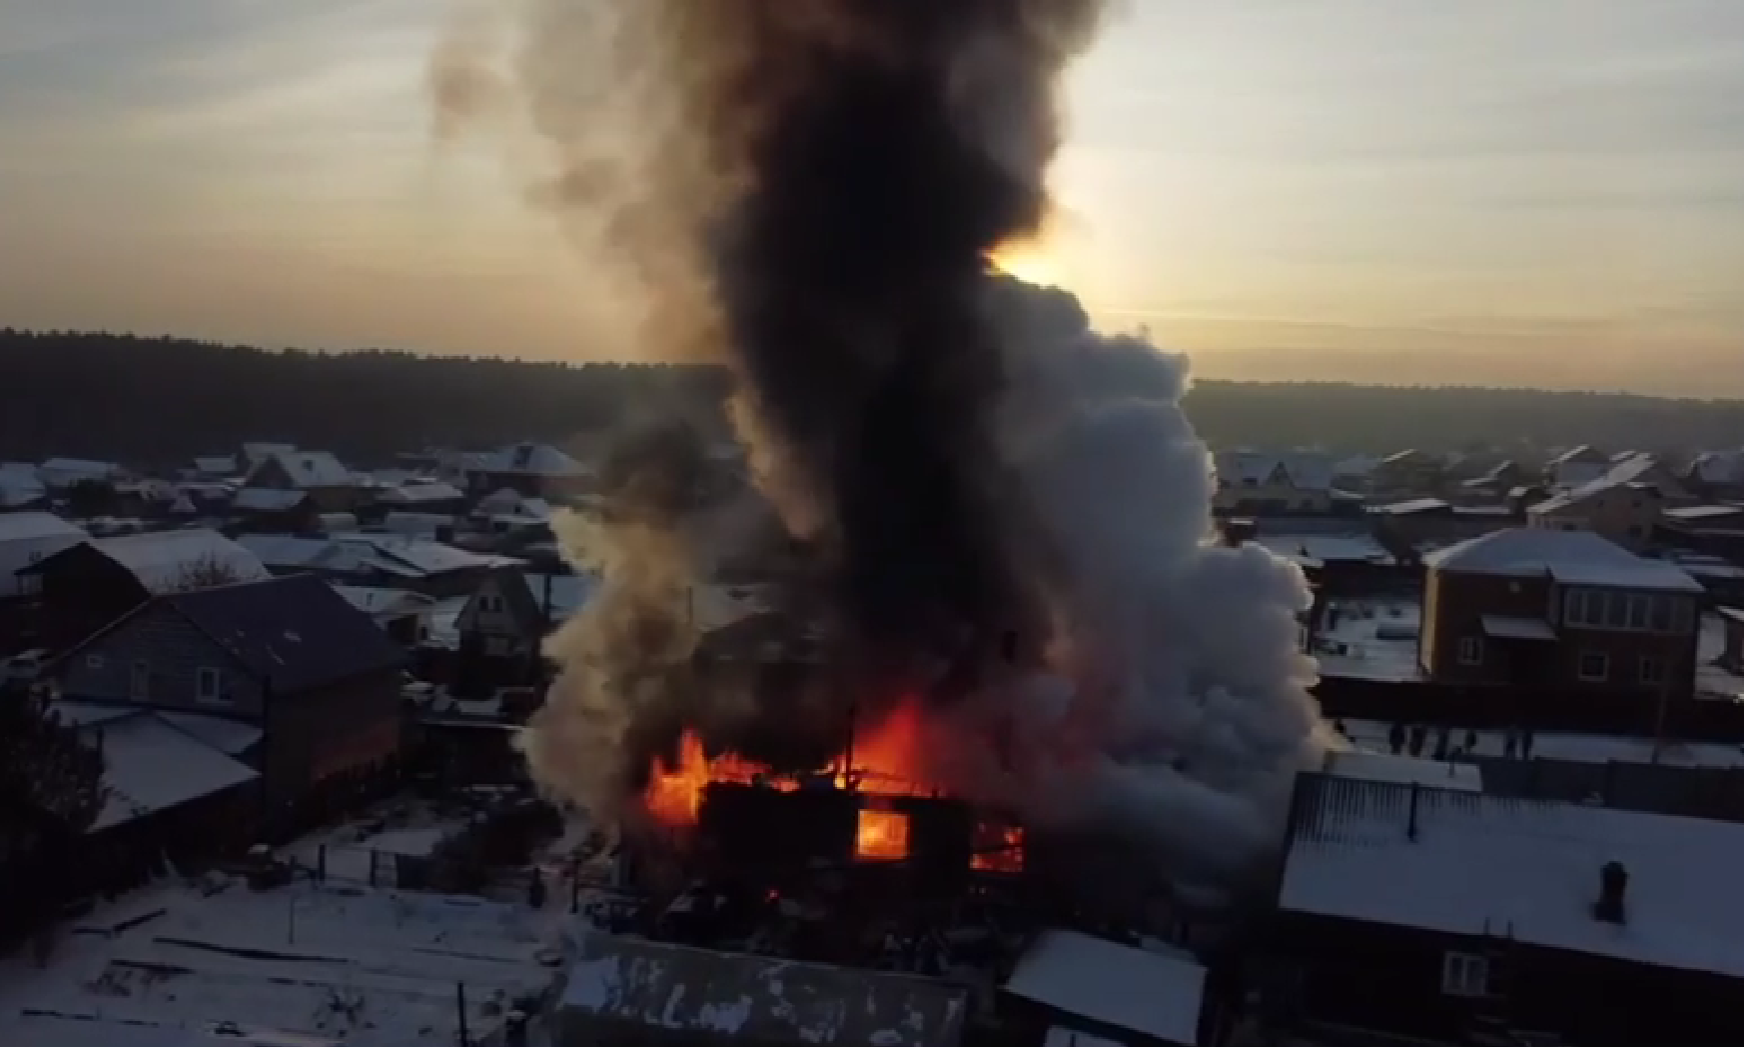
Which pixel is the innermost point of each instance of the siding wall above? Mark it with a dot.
(173, 651)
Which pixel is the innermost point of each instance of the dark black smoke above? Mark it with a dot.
(889, 147)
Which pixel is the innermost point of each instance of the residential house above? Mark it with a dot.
(1492, 486)
(1708, 530)
(534, 469)
(258, 451)
(58, 474)
(175, 785)
(21, 489)
(1560, 610)
(315, 473)
(1424, 522)
(1152, 996)
(287, 655)
(402, 614)
(27, 539)
(1352, 474)
(1254, 484)
(1716, 475)
(214, 467)
(267, 510)
(87, 585)
(500, 626)
(1576, 466)
(422, 496)
(1623, 504)
(1408, 473)
(1453, 916)
(382, 560)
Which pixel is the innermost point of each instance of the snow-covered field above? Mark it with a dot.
(301, 964)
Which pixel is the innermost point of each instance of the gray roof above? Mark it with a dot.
(755, 999)
(295, 632)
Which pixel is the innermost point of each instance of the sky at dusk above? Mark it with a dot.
(1539, 192)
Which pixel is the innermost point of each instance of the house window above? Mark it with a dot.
(209, 685)
(1652, 671)
(94, 660)
(490, 603)
(139, 682)
(1594, 667)
(1471, 650)
(1465, 974)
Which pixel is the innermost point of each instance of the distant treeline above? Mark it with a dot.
(164, 400)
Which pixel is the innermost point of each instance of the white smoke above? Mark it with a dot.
(1187, 714)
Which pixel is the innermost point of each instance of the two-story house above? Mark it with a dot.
(501, 626)
(1623, 504)
(1251, 483)
(287, 655)
(1561, 610)
(1407, 474)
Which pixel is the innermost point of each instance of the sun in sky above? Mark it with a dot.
(1032, 261)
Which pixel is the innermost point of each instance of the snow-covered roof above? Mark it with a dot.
(1719, 467)
(30, 527)
(422, 493)
(381, 602)
(167, 561)
(79, 468)
(1312, 550)
(1475, 864)
(150, 766)
(1693, 513)
(267, 500)
(19, 484)
(426, 557)
(1154, 993)
(1387, 767)
(1570, 557)
(1579, 453)
(756, 999)
(1636, 469)
(217, 465)
(307, 469)
(1411, 506)
(231, 737)
(530, 459)
(1304, 470)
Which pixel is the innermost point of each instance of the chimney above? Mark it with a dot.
(1613, 886)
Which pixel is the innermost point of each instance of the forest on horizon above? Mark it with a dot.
(164, 400)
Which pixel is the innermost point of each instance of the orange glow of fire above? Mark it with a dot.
(998, 848)
(886, 760)
(881, 835)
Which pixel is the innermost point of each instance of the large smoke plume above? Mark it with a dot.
(809, 191)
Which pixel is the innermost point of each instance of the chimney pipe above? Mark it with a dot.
(1613, 890)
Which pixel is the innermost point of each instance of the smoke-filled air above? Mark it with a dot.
(1003, 516)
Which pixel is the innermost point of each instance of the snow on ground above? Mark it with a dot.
(1712, 681)
(1370, 638)
(1557, 745)
(403, 826)
(366, 968)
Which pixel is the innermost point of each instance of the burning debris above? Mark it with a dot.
(1014, 599)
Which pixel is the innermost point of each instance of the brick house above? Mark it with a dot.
(288, 655)
(1561, 610)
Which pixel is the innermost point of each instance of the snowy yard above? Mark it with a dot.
(1370, 638)
(327, 966)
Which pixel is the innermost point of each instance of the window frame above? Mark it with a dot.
(1465, 974)
(1580, 667)
(215, 694)
(139, 680)
(1471, 650)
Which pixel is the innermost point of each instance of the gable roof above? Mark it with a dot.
(531, 459)
(294, 632)
(1634, 470)
(1474, 864)
(517, 597)
(164, 561)
(1305, 470)
(30, 527)
(307, 469)
(1571, 557)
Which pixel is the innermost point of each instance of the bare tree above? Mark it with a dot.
(207, 572)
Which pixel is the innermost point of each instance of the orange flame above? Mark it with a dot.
(881, 834)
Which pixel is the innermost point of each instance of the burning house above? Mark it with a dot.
(1013, 646)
